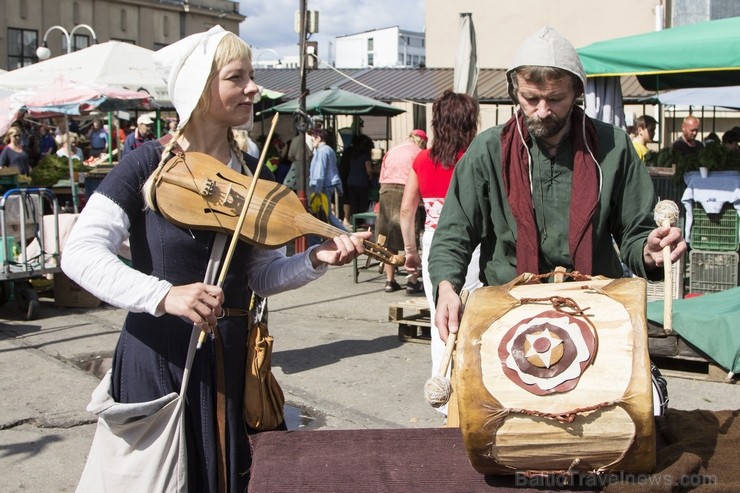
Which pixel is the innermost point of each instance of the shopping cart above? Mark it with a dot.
(29, 245)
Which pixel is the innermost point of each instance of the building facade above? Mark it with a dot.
(151, 24)
(389, 47)
(501, 27)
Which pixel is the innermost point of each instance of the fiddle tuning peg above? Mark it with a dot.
(208, 187)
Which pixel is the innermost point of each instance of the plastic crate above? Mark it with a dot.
(7, 252)
(666, 188)
(712, 272)
(8, 181)
(715, 232)
(655, 288)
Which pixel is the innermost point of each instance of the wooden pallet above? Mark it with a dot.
(693, 369)
(677, 358)
(412, 317)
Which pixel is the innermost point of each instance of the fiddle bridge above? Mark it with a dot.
(223, 194)
(232, 199)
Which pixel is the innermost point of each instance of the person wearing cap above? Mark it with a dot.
(210, 83)
(549, 188)
(394, 171)
(141, 134)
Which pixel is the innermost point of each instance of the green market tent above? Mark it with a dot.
(716, 336)
(706, 54)
(335, 101)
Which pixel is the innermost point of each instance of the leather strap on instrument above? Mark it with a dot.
(220, 412)
(233, 312)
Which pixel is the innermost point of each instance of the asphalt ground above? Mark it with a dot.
(338, 358)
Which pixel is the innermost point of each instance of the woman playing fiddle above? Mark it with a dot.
(210, 84)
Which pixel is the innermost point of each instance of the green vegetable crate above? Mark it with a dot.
(715, 232)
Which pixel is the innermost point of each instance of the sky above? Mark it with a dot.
(270, 23)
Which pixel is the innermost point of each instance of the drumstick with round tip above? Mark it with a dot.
(437, 390)
(666, 214)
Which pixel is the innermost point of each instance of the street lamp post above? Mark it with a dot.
(269, 51)
(43, 53)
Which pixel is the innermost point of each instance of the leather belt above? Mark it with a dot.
(234, 312)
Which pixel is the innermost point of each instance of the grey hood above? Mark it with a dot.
(546, 48)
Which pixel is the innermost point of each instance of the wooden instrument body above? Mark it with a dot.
(509, 427)
(200, 192)
(197, 191)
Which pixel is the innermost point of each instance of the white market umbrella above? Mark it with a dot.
(725, 97)
(466, 58)
(112, 63)
(63, 96)
(9, 110)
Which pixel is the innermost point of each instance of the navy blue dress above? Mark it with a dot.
(150, 355)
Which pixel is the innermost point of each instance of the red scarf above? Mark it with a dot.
(584, 193)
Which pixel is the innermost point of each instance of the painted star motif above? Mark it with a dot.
(537, 341)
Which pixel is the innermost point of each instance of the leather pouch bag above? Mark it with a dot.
(264, 400)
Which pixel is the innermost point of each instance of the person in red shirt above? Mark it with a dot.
(455, 119)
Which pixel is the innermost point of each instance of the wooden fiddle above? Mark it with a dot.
(198, 191)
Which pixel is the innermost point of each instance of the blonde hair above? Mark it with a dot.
(421, 143)
(229, 49)
(11, 132)
(73, 137)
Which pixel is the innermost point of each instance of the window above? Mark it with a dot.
(370, 60)
(22, 44)
(80, 41)
(370, 43)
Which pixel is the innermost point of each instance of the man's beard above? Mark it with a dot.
(547, 127)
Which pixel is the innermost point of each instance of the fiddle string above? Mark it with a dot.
(229, 194)
(326, 230)
(371, 249)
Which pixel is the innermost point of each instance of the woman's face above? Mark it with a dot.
(231, 94)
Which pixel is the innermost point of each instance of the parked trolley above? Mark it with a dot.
(29, 245)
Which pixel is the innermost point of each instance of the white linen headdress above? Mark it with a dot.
(185, 66)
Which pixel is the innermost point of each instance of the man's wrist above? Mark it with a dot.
(447, 285)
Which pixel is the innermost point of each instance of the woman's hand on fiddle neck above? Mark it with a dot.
(340, 250)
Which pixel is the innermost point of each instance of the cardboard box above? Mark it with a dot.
(69, 294)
